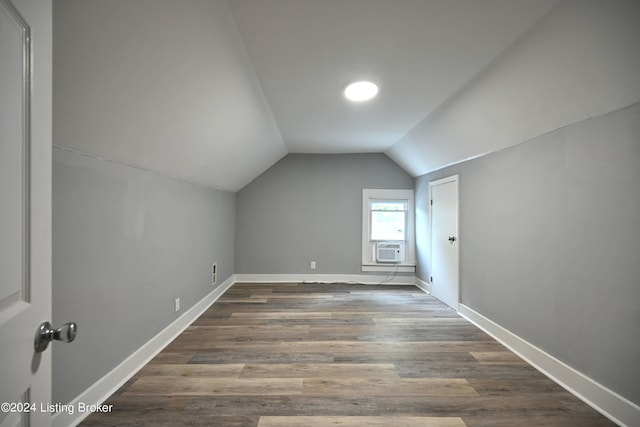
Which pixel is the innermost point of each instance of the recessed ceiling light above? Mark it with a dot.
(361, 91)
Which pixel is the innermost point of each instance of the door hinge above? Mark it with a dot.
(431, 202)
(431, 279)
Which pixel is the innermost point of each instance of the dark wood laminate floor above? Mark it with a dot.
(339, 355)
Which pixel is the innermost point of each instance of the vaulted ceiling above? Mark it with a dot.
(419, 52)
(215, 92)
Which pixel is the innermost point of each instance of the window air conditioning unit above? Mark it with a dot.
(389, 252)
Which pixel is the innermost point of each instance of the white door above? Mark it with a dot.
(444, 240)
(25, 209)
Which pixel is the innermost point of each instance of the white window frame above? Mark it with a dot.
(408, 264)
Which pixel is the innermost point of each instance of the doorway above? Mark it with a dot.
(444, 277)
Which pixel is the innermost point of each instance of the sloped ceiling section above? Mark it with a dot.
(162, 85)
(580, 61)
(420, 52)
(216, 91)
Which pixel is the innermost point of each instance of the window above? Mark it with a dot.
(388, 217)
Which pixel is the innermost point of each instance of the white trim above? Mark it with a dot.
(610, 404)
(402, 268)
(113, 380)
(425, 286)
(444, 180)
(455, 179)
(388, 194)
(615, 407)
(367, 279)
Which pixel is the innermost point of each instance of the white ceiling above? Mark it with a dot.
(419, 52)
(215, 92)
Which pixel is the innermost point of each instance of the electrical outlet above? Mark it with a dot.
(313, 265)
(214, 273)
(176, 305)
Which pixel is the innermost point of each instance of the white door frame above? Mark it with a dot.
(25, 135)
(432, 184)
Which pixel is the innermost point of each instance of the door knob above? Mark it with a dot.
(452, 239)
(46, 334)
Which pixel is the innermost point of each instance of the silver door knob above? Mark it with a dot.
(46, 334)
(452, 239)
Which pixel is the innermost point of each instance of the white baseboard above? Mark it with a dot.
(610, 404)
(368, 279)
(425, 286)
(112, 381)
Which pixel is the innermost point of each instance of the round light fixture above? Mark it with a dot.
(361, 91)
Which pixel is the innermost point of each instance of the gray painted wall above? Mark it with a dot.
(309, 207)
(579, 61)
(126, 243)
(550, 243)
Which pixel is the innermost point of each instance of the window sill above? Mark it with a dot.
(402, 268)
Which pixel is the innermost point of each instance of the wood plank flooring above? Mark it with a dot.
(338, 355)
